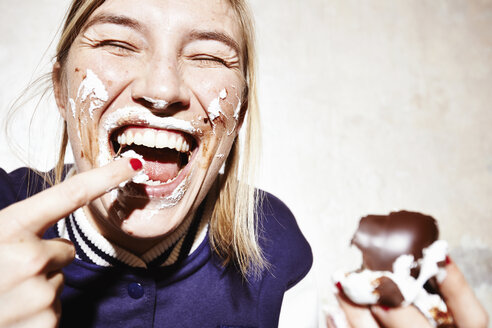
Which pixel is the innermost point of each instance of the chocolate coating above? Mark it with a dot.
(383, 238)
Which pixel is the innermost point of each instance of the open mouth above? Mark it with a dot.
(166, 153)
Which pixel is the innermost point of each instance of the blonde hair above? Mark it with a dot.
(234, 224)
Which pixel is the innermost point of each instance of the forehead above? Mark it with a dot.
(163, 16)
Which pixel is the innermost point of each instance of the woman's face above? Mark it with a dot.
(160, 80)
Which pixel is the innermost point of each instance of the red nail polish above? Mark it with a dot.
(384, 307)
(448, 260)
(136, 164)
(338, 285)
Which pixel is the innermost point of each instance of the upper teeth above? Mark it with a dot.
(154, 139)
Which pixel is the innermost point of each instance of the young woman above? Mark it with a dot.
(157, 223)
(153, 94)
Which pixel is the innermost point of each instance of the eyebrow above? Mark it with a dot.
(217, 36)
(114, 19)
(134, 24)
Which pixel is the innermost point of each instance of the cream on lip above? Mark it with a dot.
(134, 115)
(140, 115)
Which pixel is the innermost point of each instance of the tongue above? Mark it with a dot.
(160, 164)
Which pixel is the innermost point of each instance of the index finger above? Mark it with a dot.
(37, 213)
(357, 316)
(461, 300)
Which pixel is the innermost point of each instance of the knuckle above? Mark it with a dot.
(75, 192)
(48, 297)
(58, 280)
(70, 250)
(52, 319)
(46, 293)
(34, 260)
(114, 175)
(49, 319)
(61, 279)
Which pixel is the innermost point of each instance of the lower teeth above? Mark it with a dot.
(152, 183)
(158, 182)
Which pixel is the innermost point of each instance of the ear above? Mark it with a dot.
(59, 90)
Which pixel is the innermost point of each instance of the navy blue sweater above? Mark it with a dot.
(196, 292)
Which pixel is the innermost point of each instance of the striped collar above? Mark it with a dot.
(93, 248)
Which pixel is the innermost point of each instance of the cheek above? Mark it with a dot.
(221, 100)
(88, 96)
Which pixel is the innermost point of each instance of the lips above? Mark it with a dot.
(167, 154)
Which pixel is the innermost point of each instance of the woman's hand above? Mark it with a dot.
(30, 267)
(458, 295)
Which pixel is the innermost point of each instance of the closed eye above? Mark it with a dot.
(210, 60)
(117, 47)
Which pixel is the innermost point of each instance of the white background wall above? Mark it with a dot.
(368, 107)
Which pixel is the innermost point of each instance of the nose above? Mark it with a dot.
(160, 87)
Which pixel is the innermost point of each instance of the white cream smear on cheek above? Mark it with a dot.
(214, 109)
(237, 110)
(92, 87)
(73, 107)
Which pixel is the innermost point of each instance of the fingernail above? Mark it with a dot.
(136, 164)
(384, 307)
(338, 285)
(448, 260)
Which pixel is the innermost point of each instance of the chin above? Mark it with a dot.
(143, 216)
(149, 224)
